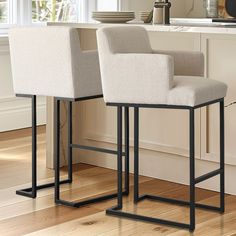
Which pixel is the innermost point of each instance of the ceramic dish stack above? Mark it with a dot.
(144, 16)
(113, 16)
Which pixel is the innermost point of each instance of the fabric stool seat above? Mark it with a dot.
(193, 91)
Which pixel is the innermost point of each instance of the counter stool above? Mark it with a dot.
(134, 75)
(48, 61)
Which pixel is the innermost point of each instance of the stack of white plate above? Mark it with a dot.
(113, 16)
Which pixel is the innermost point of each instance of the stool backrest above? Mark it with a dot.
(130, 71)
(124, 40)
(45, 60)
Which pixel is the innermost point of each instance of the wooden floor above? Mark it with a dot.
(22, 216)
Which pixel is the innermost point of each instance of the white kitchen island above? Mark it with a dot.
(164, 134)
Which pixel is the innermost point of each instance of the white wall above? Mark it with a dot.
(198, 11)
(15, 113)
(104, 5)
(177, 9)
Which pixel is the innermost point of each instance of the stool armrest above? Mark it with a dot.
(136, 77)
(88, 78)
(186, 62)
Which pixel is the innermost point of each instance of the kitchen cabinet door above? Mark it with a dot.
(220, 55)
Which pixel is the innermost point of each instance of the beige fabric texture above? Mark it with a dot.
(49, 61)
(134, 73)
(186, 63)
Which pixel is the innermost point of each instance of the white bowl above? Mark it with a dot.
(144, 12)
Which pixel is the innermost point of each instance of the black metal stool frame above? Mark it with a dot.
(117, 210)
(60, 201)
(31, 192)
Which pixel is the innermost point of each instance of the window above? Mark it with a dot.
(54, 10)
(69, 10)
(4, 11)
(25, 12)
(107, 5)
(7, 13)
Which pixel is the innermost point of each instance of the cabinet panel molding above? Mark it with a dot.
(220, 57)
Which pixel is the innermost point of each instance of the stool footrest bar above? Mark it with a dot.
(27, 192)
(95, 149)
(89, 201)
(178, 202)
(207, 176)
(115, 212)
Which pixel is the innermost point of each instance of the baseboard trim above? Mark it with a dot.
(164, 166)
(143, 144)
(15, 113)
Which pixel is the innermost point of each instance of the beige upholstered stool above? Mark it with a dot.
(48, 61)
(134, 75)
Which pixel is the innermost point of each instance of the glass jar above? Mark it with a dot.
(211, 8)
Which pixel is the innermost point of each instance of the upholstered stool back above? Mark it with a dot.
(125, 40)
(126, 58)
(49, 61)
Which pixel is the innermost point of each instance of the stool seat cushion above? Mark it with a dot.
(194, 90)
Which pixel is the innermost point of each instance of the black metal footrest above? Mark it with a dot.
(24, 193)
(89, 201)
(208, 176)
(95, 149)
(27, 192)
(116, 211)
(178, 202)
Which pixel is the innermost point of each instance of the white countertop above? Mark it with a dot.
(3, 36)
(190, 25)
(176, 27)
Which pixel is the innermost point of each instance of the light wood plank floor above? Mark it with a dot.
(22, 216)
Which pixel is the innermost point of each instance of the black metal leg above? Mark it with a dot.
(222, 158)
(127, 150)
(119, 156)
(32, 191)
(70, 171)
(103, 150)
(117, 210)
(192, 170)
(136, 155)
(34, 147)
(57, 156)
